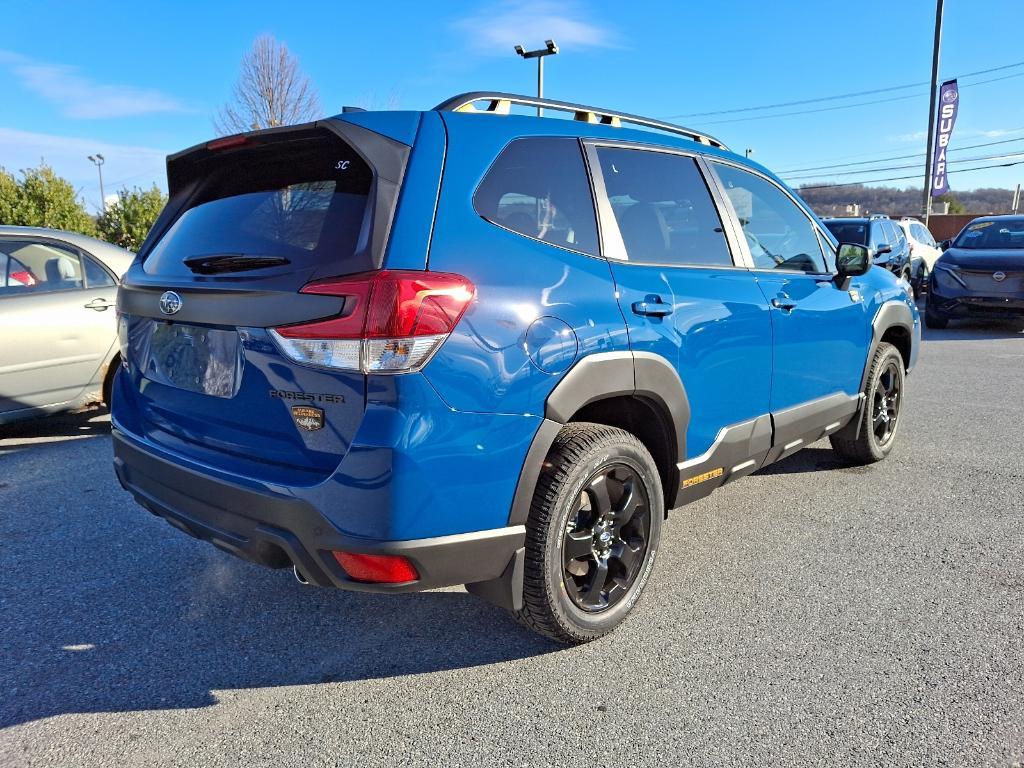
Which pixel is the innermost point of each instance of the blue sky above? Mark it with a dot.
(135, 81)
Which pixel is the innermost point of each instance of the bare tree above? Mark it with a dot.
(271, 91)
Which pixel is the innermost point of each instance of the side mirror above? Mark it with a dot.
(852, 260)
(944, 245)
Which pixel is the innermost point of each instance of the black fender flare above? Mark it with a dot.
(891, 314)
(601, 376)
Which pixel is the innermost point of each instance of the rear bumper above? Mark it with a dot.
(279, 530)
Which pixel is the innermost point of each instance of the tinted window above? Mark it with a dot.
(663, 208)
(39, 267)
(877, 235)
(896, 233)
(95, 275)
(539, 188)
(779, 233)
(304, 203)
(855, 232)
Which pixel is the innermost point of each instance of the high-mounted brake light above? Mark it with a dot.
(227, 142)
(392, 321)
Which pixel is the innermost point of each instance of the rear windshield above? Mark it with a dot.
(855, 232)
(296, 205)
(992, 235)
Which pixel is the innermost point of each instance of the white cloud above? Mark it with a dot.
(125, 165)
(494, 29)
(79, 97)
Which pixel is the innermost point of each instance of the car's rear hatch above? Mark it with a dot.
(251, 220)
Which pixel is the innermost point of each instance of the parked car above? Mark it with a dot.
(403, 350)
(882, 236)
(924, 251)
(57, 320)
(980, 274)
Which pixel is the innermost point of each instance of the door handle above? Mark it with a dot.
(786, 304)
(652, 306)
(100, 305)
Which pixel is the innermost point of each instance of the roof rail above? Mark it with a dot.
(879, 216)
(501, 103)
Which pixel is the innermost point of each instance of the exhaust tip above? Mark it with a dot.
(299, 577)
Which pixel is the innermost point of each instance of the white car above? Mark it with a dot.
(58, 324)
(923, 251)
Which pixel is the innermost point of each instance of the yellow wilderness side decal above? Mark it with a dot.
(709, 475)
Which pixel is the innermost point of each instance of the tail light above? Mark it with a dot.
(381, 569)
(392, 321)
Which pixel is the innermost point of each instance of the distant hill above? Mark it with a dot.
(838, 201)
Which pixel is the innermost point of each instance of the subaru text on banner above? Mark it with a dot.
(403, 350)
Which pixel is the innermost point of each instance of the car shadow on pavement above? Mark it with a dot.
(108, 609)
(87, 422)
(811, 460)
(973, 330)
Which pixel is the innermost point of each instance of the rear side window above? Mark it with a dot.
(96, 276)
(295, 205)
(663, 208)
(38, 267)
(538, 187)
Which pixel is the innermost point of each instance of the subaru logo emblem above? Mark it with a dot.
(999, 276)
(170, 302)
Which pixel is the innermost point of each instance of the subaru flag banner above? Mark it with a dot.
(949, 99)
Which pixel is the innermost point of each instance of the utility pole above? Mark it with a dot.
(1016, 200)
(98, 160)
(539, 55)
(936, 46)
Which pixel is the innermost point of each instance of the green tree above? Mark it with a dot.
(8, 196)
(955, 206)
(41, 198)
(127, 222)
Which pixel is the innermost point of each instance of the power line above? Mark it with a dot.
(904, 178)
(901, 157)
(853, 94)
(914, 165)
(849, 106)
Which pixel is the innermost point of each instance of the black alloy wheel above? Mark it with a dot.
(606, 538)
(885, 409)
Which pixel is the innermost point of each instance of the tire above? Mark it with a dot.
(108, 380)
(872, 436)
(577, 599)
(933, 319)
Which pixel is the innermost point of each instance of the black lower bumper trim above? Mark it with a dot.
(280, 531)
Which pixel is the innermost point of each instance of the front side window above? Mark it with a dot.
(538, 187)
(922, 235)
(38, 267)
(778, 232)
(877, 236)
(663, 208)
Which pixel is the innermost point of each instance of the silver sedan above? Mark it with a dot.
(58, 324)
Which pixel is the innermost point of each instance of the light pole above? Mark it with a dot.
(747, 153)
(539, 55)
(936, 45)
(98, 160)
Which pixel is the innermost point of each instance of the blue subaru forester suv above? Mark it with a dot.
(404, 350)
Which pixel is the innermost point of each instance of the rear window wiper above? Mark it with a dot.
(232, 262)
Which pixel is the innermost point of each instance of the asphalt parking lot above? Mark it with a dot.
(811, 614)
